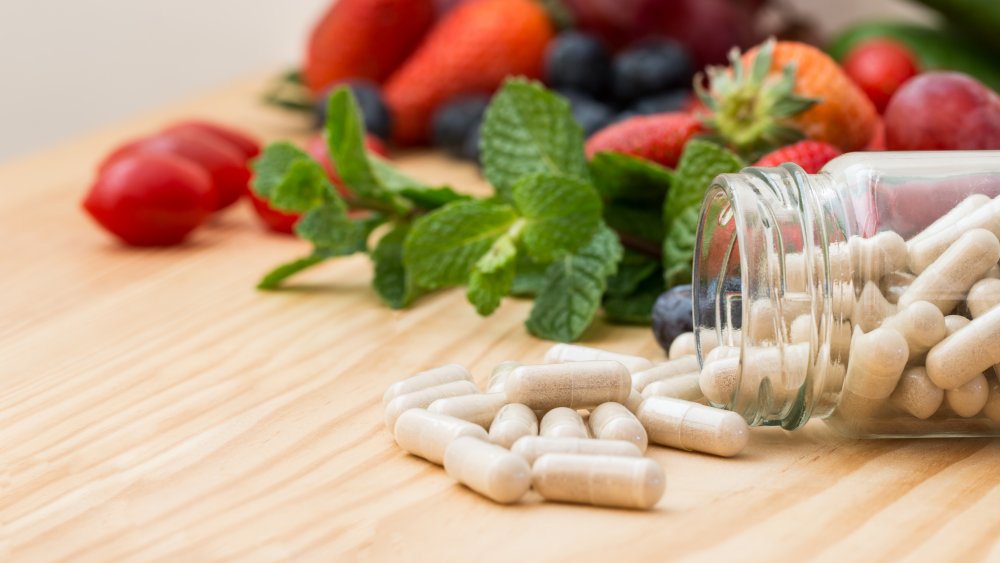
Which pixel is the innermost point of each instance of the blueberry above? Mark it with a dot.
(674, 100)
(470, 145)
(454, 122)
(374, 112)
(589, 113)
(650, 68)
(577, 61)
(672, 315)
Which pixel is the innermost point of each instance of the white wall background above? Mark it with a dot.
(67, 66)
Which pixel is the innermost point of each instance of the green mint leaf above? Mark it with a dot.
(637, 221)
(528, 130)
(636, 307)
(444, 245)
(627, 178)
(493, 275)
(432, 198)
(422, 195)
(633, 269)
(529, 277)
(574, 284)
(391, 281)
(678, 248)
(289, 178)
(700, 163)
(331, 231)
(274, 278)
(345, 137)
(561, 214)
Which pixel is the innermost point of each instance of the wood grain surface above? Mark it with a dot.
(154, 406)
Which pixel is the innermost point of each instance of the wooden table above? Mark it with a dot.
(155, 406)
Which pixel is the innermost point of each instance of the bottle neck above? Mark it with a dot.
(763, 290)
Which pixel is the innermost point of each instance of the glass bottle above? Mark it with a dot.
(847, 295)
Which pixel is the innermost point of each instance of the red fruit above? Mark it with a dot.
(364, 39)
(877, 142)
(659, 137)
(880, 67)
(810, 155)
(225, 165)
(150, 199)
(471, 51)
(283, 222)
(943, 111)
(247, 145)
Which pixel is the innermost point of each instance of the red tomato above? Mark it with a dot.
(223, 163)
(277, 221)
(880, 67)
(239, 140)
(148, 199)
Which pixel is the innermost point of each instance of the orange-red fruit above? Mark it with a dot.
(845, 117)
(364, 39)
(471, 51)
(659, 137)
(879, 67)
(810, 155)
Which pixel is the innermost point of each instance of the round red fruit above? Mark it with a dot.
(273, 219)
(943, 111)
(880, 67)
(248, 146)
(150, 199)
(225, 165)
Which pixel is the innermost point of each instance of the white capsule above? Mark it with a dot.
(929, 249)
(991, 409)
(624, 482)
(871, 308)
(666, 370)
(955, 322)
(876, 364)
(983, 296)
(578, 385)
(922, 325)
(424, 397)
(633, 401)
(894, 284)
(488, 469)
(425, 379)
(612, 421)
(478, 408)
(426, 434)
(576, 353)
(513, 422)
(563, 422)
(956, 214)
(720, 379)
(690, 426)
(959, 358)
(916, 394)
(498, 377)
(534, 447)
(946, 281)
(683, 345)
(687, 387)
(968, 400)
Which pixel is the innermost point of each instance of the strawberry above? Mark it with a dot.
(880, 67)
(810, 155)
(781, 92)
(659, 137)
(364, 39)
(471, 51)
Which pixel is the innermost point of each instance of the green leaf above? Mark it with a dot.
(391, 281)
(275, 277)
(432, 198)
(328, 227)
(528, 130)
(529, 277)
(636, 307)
(700, 163)
(678, 248)
(493, 276)
(623, 177)
(561, 214)
(642, 222)
(574, 284)
(445, 244)
(289, 178)
(633, 269)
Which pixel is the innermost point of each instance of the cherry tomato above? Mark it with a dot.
(223, 163)
(149, 199)
(239, 140)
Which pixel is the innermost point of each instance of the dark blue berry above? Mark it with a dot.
(470, 145)
(651, 68)
(454, 122)
(577, 61)
(374, 112)
(589, 113)
(674, 100)
(672, 315)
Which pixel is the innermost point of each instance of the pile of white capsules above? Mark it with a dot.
(574, 429)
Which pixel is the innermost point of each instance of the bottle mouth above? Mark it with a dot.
(755, 227)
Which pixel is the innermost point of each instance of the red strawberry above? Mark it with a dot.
(810, 155)
(659, 137)
(364, 39)
(880, 67)
(471, 51)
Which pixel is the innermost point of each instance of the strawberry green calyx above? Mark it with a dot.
(749, 109)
